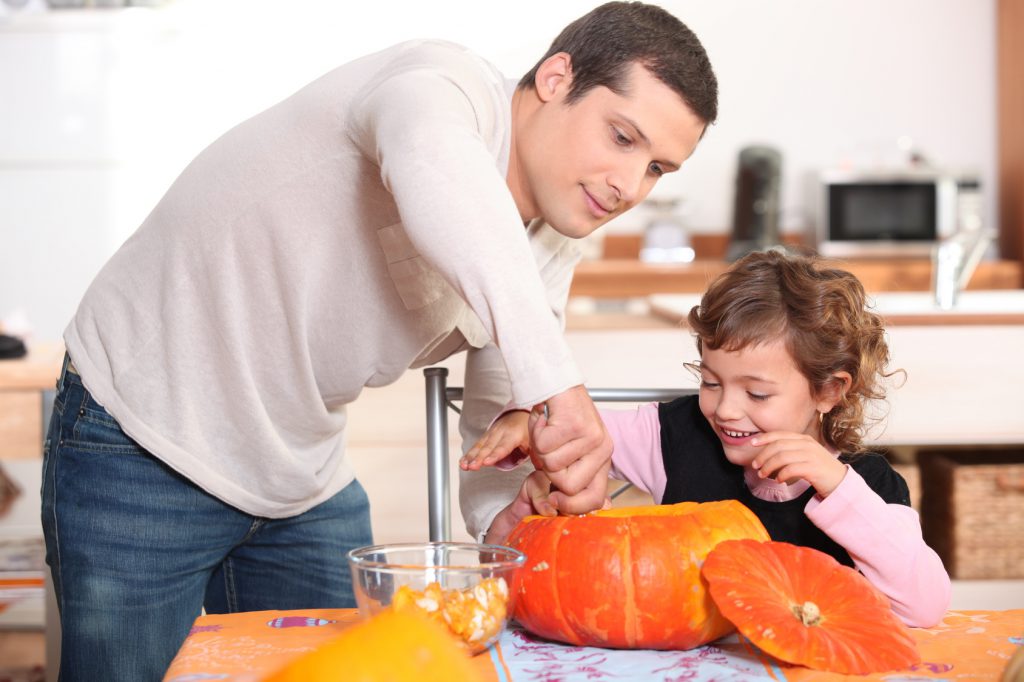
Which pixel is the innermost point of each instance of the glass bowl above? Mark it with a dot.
(468, 587)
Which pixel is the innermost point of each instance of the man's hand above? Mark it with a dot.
(571, 445)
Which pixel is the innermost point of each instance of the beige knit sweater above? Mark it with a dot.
(359, 228)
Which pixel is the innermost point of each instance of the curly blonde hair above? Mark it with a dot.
(821, 314)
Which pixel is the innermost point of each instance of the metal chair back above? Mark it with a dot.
(441, 397)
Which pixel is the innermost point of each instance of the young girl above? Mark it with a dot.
(789, 359)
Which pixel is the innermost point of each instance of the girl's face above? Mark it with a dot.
(756, 390)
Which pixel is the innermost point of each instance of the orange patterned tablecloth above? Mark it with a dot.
(243, 647)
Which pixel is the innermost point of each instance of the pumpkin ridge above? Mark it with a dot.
(566, 626)
(631, 623)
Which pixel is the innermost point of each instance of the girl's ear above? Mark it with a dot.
(554, 74)
(833, 391)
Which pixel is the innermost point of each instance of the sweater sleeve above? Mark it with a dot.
(637, 458)
(487, 392)
(885, 543)
(432, 134)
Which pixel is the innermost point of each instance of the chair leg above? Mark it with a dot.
(438, 490)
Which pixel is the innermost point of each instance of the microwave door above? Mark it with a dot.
(883, 212)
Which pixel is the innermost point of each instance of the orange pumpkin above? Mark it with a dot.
(627, 577)
(402, 646)
(802, 606)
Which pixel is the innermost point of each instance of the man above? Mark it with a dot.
(403, 207)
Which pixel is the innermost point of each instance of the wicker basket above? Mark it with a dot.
(972, 511)
(912, 476)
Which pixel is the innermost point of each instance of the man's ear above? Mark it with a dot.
(553, 75)
(833, 391)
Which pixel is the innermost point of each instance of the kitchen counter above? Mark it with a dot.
(990, 307)
(22, 382)
(628, 277)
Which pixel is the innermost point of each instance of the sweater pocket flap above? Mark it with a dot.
(417, 283)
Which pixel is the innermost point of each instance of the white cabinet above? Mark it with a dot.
(83, 148)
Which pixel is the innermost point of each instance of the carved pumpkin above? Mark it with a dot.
(802, 606)
(627, 577)
(402, 646)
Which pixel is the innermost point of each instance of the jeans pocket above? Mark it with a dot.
(96, 428)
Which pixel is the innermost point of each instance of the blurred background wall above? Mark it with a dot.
(100, 109)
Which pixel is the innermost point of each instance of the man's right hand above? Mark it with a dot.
(574, 449)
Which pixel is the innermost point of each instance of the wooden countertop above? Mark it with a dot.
(36, 371)
(627, 277)
(995, 307)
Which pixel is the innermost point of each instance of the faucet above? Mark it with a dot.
(954, 261)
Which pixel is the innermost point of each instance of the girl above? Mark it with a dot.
(789, 359)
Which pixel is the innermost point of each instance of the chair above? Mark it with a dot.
(440, 397)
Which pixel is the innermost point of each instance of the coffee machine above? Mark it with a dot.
(755, 219)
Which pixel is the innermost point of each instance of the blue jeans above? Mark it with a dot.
(136, 550)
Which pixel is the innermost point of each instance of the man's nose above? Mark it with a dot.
(630, 184)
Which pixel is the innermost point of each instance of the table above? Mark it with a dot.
(242, 647)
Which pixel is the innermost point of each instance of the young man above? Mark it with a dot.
(403, 207)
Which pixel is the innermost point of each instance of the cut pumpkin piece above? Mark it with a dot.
(802, 606)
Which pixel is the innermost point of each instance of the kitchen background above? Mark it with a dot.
(100, 108)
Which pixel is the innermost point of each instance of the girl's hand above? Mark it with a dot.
(787, 457)
(508, 433)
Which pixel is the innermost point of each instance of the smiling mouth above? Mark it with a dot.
(738, 434)
(596, 208)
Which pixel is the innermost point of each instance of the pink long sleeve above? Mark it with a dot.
(885, 542)
(637, 456)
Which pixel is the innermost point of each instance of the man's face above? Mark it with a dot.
(583, 164)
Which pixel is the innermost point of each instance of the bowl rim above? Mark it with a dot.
(514, 557)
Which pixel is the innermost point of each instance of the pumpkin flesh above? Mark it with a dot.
(627, 577)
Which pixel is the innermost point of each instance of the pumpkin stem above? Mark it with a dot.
(808, 613)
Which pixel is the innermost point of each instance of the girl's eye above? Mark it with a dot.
(656, 169)
(621, 138)
(758, 396)
(704, 383)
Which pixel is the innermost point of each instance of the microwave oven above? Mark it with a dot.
(893, 213)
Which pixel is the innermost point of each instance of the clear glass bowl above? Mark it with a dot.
(469, 587)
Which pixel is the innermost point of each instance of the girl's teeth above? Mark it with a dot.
(737, 434)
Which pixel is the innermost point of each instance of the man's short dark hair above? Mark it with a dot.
(604, 43)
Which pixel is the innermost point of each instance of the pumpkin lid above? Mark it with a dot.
(802, 606)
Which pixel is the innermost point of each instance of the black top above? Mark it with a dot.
(696, 470)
